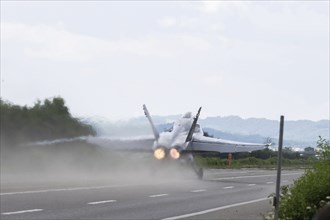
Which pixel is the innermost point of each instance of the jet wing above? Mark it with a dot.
(137, 144)
(208, 144)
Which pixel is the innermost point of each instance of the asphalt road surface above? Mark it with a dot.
(223, 194)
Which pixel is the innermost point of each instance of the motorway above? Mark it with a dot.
(142, 197)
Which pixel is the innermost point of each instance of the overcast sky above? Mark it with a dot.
(107, 58)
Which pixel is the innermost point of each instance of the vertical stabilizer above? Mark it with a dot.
(192, 129)
(154, 130)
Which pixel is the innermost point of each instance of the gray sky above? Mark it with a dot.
(107, 58)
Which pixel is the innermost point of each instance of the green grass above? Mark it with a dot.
(252, 162)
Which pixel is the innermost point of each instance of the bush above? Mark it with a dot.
(210, 162)
(310, 192)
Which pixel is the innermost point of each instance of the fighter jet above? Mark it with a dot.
(182, 142)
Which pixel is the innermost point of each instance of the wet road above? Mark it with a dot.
(146, 198)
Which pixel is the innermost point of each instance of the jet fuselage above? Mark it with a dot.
(172, 142)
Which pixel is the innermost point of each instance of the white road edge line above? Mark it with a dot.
(215, 209)
(252, 184)
(101, 202)
(21, 212)
(66, 189)
(228, 172)
(198, 190)
(158, 195)
(228, 187)
(269, 182)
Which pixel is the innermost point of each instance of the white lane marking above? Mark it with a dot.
(269, 182)
(239, 177)
(66, 189)
(285, 181)
(215, 209)
(158, 195)
(198, 190)
(21, 212)
(228, 187)
(228, 172)
(101, 202)
(252, 184)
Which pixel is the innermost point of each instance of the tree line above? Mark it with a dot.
(46, 120)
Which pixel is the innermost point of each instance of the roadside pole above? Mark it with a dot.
(279, 167)
(230, 158)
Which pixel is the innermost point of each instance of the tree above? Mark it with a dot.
(323, 148)
(289, 153)
(263, 154)
(309, 151)
(46, 120)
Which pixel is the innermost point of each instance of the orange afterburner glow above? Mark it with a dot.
(159, 153)
(174, 154)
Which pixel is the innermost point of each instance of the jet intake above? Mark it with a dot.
(174, 153)
(159, 153)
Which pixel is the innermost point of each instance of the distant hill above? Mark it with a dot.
(300, 133)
